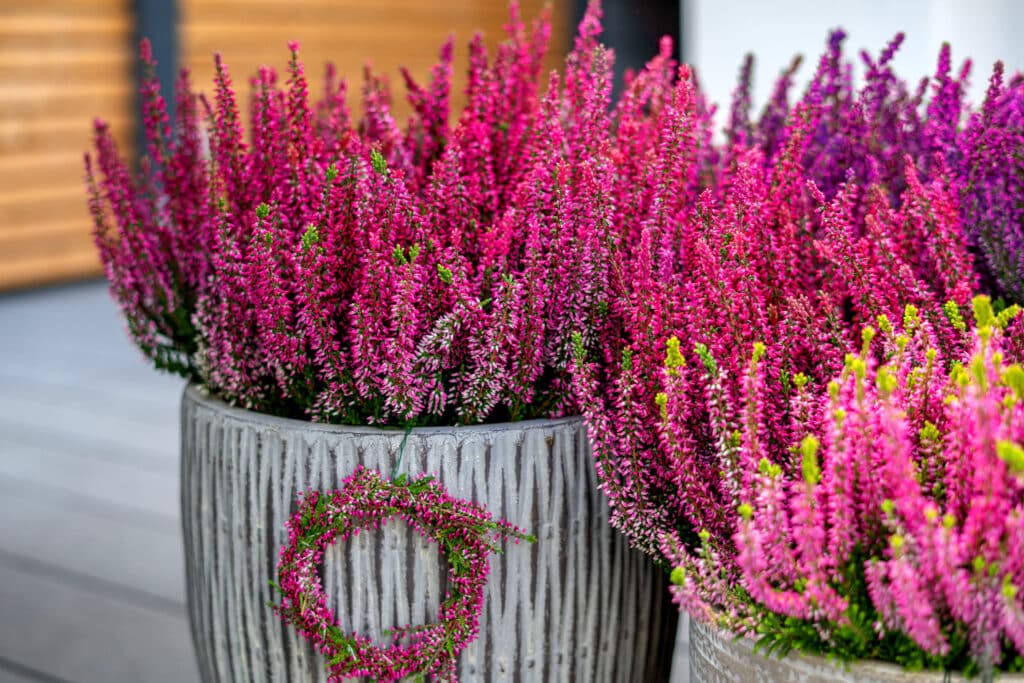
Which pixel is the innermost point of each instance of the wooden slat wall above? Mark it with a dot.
(386, 33)
(62, 62)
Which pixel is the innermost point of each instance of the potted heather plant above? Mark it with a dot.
(789, 483)
(355, 305)
(891, 532)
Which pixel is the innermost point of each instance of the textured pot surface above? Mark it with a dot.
(719, 657)
(578, 605)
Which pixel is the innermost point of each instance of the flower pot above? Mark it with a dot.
(719, 657)
(577, 605)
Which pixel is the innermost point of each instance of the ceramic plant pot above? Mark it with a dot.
(577, 605)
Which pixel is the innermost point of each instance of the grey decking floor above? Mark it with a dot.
(91, 569)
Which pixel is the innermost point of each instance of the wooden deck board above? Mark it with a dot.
(110, 427)
(91, 566)
(87, 397)
(13, 672)
(77, 634)
(139, 549)
(119, 482)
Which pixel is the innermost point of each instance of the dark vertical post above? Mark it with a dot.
(158, 21)
(687, 27)
(633, 28)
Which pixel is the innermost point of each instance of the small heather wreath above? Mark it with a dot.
(465, 531)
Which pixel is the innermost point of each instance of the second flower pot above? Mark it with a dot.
(720, 657)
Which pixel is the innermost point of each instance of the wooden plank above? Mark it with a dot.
(22, 135)
(15, 672)
(97, 365)
(84, 356)
(52, 38)
(423, 24)
(27, 59)
(55, 40)
(67, 470)
(95, 448)
(63, 5)
(156, 392)
(359, 39)
(49, 269)
(26, 67)
(346, 15)
(57, 25)
(468, 16)
(192, 8)
(113, 428)
(54, 99)
(77, 137)
(44, 195)
(81, 502)
(40, 316)
(154, 404)
(33, 337)
(32, 170)
(349, 33)
(20, 242)
(100, 541)
(74, 634)
(244, 65)
(98, 359)
(423, 27)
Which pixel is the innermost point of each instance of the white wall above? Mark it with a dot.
(718, 33)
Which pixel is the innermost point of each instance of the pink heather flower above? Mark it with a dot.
(910, 472)
(314, 263)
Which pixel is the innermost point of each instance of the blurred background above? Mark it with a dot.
(91, 576)
(716, 34)
(63, 62)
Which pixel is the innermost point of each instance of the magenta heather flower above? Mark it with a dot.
(314, 263)
(548, 251)
(841, 222)
(763, 257)
(900, 511)
(868, 133)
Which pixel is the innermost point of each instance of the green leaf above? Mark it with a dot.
(380, 165)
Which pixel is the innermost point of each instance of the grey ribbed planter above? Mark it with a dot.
(575, 606)
(719, 657)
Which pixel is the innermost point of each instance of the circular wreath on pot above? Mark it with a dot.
(467, 534)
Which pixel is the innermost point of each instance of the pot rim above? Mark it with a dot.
(864, 667)
(199, 394)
